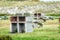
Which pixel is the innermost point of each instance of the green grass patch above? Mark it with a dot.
(54, 14)
(5, 37)
(37, 34)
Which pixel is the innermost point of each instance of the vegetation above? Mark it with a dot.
(59, 28)
(49, 32)
(2, 14)
(49, 7)
(12, 0)
(4, 37)
(19, 0)
(53, 14)
(35, 0)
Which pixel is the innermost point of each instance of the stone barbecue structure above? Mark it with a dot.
(21, 24)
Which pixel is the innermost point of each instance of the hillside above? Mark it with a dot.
(45, 7)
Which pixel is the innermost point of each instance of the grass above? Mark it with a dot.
(17, 3)
(23, 3)
(48, 32)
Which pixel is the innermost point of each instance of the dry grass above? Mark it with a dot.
(4, 23)
(48, 24)
(18, 3)
(51, 24)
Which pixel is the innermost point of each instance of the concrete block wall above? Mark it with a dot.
(21, 25)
